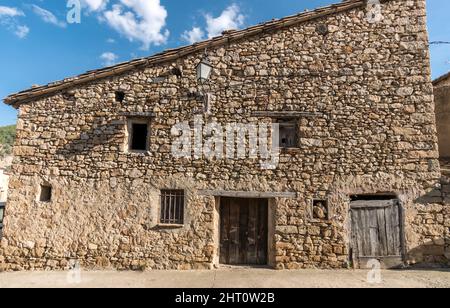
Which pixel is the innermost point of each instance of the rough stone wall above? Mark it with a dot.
(375, 132)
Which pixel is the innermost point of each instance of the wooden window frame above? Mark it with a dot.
(289, 122)
(178, 207)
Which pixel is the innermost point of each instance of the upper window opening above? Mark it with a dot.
(177, 72)
(288, 133)
(120, 96)
(46, 193)
(138, 138)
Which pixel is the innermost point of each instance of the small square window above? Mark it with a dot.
(172, 207)
(288, 133)
(46, 193)
(320, 209)
(120, 96)
(2, 212)
(138, 135)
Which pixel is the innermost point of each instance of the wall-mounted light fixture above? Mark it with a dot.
(204, 70)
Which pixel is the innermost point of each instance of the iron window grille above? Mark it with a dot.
(172, 207)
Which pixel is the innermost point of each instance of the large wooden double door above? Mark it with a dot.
(243, 231)
(377, 232)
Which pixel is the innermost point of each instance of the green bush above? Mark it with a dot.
(7, 136)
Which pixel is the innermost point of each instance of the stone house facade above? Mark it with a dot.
(354, 98)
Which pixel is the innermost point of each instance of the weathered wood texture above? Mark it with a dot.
(376, 230)
(243, 236)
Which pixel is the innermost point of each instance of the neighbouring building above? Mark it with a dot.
(442, 101)
(442, 109)
(95, 178)
(3, 185)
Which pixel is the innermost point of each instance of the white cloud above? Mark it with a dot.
(22, 31)
(95, 5)
(10, 11)
(47, 16)
(139, 20)
(111, 41)
(193, 36)
(230, 19)
(109, 58)
(8, 19)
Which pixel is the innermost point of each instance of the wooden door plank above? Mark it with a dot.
(365, 231)
(234, 232)
(371, 204)
(396, 227)
(224, 231)
(383, 242)
(252, 234)
(374, 236)
(358, 237)
(243, 231)
(262, 231)
(390, 230)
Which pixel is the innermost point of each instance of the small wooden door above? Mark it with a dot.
(376, 232)
(243, 231)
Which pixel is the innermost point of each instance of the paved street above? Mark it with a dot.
(228, 278)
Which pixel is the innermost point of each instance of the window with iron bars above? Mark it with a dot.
(172, 207)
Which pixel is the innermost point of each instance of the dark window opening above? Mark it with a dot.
(288, 133)
(139, 136)
(120, 96)
(177, 72)
(373, 197)
(2, 213)
(172, 207)
(46, 193)
(320, 209)
(69, 96)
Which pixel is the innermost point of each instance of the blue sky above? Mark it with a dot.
(38, 45)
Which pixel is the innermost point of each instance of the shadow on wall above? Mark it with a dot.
(431, 216)
(432, 254)
(101, 137)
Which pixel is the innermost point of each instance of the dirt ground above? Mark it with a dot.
(228, 278)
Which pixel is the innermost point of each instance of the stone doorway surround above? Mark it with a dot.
(271, 224)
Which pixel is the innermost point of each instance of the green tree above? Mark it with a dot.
(7, 136)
